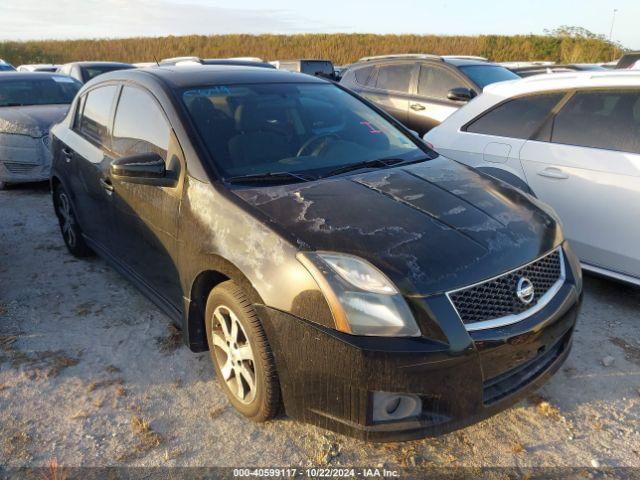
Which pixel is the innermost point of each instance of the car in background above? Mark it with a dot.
(38, 67)
(317, 68)
(6, 67)
(529, 71)
(628, 61)
(573, 141)
(221, 191)
(422, 90)
(29, 104)
(238, 62)
(85, 71)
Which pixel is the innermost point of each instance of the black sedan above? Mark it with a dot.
(329, 260)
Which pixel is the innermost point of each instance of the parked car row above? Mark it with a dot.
(332, 262)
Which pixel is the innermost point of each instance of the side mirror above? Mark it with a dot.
(144, 168)
(460, 94)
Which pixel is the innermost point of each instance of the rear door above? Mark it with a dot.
(492, 141)
(389, 87)
(146, 217)
(588, 169)
(429, 106)
(88, 152)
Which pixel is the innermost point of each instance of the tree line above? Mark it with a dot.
(562, 45)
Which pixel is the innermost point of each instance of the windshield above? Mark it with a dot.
(91, 72)
(38, 91)
(483, 75)
(6, 68)
(292, 128)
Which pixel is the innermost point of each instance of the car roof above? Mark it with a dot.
(560, 81)
(98, 63)
(450, 59)
(31, 76)
(202, 75)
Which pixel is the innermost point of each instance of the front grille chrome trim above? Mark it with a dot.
(515, 318)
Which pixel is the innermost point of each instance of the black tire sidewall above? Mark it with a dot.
(80, 249)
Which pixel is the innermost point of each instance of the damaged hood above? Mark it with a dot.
(33, 120)
(430, 227)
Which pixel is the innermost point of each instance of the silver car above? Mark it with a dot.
(30, 103)
(573, 141)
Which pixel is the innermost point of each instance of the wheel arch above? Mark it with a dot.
(217, 270)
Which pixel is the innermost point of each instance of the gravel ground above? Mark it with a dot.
(92, 374)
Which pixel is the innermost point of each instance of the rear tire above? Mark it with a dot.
(69, 227)
(241, 353)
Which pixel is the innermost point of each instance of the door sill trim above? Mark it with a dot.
(622, 277)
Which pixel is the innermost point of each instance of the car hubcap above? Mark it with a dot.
(66, 220)
(234, 354)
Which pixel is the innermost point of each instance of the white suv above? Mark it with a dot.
(572, 140)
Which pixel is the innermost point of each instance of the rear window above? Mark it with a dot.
(518, 118)
(396, 78)
(91, 72)
(48, 90)
(316, 67)
(608, 120)
(362, 75)
(483, 75)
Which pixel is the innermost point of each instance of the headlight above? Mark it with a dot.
(362, 299)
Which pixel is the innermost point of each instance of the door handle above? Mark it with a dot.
(417, 107)
(553, 172)
(67, 153)
(107, 185)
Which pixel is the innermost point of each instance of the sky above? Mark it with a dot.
(62, 19)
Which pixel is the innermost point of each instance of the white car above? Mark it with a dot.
(573, 141)
(38, 67)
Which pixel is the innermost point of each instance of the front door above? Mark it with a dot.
(146, 216)
(430, 106)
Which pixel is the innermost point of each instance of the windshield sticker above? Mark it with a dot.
(372, 129)
(62, 79)
(209, 92)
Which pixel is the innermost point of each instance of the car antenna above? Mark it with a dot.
(156, 60)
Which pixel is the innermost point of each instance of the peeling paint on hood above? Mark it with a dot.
(33, 120)
(427, 226)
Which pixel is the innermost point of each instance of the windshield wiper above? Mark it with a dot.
(380, 162)
(267, 177)
(12, 105)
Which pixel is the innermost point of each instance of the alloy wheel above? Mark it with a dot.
(234, 354)
(67, 222)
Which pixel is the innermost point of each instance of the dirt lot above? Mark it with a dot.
(91, 373)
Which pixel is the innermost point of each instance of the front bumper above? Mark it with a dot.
(328, 378)
(24, 158)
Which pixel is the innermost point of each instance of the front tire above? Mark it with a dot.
(241, 353)
(69, 227)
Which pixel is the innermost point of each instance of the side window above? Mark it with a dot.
(436, 82)
(362, 74)
(396, 78)
(609, 120)
(518, 118)
(94, 124)
(77, 118)
(140, 125)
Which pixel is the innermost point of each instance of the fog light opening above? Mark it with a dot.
(395, 406)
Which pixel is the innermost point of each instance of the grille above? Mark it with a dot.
(19, 168)
(497, 298)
